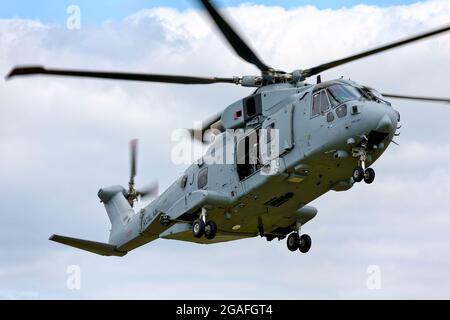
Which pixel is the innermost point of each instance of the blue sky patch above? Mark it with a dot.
(55, 11)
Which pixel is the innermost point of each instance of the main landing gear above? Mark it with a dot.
(201, 227)
(360, 173)
(301, 242)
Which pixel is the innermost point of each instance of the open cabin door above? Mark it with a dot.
(276, 138)
(247, 151)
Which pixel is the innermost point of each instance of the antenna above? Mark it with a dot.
(319, 79)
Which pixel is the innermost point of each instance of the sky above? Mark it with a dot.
(63, 139)
(106, 10)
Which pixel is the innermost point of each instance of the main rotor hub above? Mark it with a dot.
(271, 77)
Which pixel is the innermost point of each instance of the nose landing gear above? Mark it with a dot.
(293, 241)
(301, 242)
(360, 173)
(369, 175)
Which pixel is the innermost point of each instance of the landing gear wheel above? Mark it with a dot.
(358, 174)
(293, 241)
(304, 243)
(198, 228)
(165, 220)
(369, 175)
(210, 230)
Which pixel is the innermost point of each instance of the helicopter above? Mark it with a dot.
(285, 145)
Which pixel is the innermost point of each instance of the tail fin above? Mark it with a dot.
(100, 248)
(117, 206)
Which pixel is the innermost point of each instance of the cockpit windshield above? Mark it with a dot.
(373, 95)
(340, 93)
(335, 94)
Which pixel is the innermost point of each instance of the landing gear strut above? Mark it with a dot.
(202, 227)
(296, 241)
(361, 173)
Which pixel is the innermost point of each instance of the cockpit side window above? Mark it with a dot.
(324, 103)
(316, 105)
(320, 103)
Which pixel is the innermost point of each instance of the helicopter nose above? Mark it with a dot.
(385, 125)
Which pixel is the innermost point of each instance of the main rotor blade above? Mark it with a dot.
(198, 133)
(236, 42)
(429, 99)
(332, 64)
(34, 70)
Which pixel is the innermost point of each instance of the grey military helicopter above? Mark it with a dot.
(329, 134)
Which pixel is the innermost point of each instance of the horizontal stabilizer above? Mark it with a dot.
(100, 248)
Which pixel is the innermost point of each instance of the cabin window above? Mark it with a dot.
(330, 116)
(203, 178)
(183, 181)
(341, 111)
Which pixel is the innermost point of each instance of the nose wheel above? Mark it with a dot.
(295, 241)
(305, 243)
(358, 174)
(361, 173)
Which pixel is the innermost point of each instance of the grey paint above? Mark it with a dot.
(313, 161)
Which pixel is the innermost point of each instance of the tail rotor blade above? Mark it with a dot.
(149, 191)
(133, 159)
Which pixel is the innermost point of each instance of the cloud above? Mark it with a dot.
(62, 139)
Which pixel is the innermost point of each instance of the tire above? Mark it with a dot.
(369, 175)
(165, 220)
(198, 228)
(210, 230)
(358, 174)
(293, 241)
(304, 243)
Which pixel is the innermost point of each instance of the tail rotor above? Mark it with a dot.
(149, 191)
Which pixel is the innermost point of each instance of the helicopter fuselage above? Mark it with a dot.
(319, 145)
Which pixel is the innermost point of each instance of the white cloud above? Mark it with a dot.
(60, 140)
